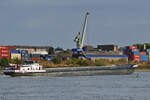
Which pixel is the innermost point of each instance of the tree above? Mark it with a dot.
(51, 51)
(57, 60)
(4, 62)
(16, 61)
(139, 46)
(147, 45)
(59, 49)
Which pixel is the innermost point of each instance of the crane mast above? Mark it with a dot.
(80, 39)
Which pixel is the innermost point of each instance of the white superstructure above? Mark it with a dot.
(27, 68)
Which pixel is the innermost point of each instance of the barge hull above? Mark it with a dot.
(77, 73)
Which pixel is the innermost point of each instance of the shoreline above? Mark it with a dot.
(142, 70)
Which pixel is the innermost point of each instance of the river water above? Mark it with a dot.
(108, 87)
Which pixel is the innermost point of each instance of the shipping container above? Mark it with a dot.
(135, 50)
(12, 47)
(144, 57)
(133, 47)
(136, 53)
(14, 51)
(136, 57)
(35, 55)
(126, 50)
(25, 55)
(143, 53)
(4, 53)
(24, 51)
(5, 56)
(128, 54)
(36, 58)
(4, 50)
(3, 47)
(26, 58)
(130, 50)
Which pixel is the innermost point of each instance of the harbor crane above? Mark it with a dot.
(79, 39)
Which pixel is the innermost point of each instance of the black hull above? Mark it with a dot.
(80, 71)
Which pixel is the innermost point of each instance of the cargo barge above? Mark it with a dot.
(36, 70)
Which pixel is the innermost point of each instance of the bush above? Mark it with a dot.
(82, 62)
(101, 62)
(4, 62)
(16, 61)
(57, 60)
(79, 62)
(72, 61)
(122, 60)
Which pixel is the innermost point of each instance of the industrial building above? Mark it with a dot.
(43, 50)
(25, 52)
(113, 48)
(88, 48)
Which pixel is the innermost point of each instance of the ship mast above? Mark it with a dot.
(80, 39)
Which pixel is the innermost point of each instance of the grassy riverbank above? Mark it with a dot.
(143, 67)
(1, 70)
(79, 62)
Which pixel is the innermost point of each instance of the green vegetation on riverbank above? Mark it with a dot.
(4, 62)
(82, 62)
(144, 66)
(74, 62)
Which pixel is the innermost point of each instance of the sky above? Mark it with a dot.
(57, 22)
